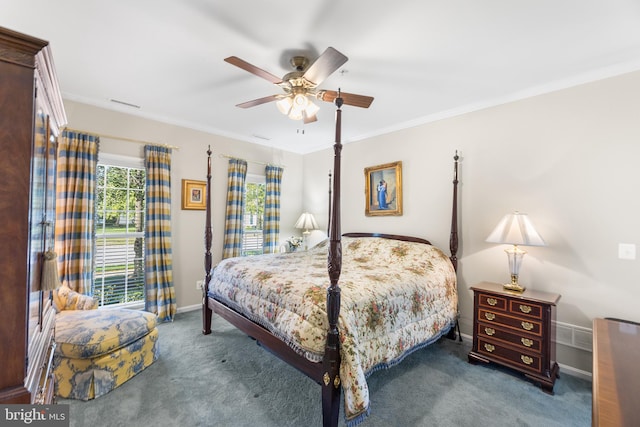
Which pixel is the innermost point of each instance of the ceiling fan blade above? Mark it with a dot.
(348, 98)
(309, 119)
(240, 63)
(324, 66)
(259, 101)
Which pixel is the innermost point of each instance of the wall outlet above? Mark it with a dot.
(627, 251)
(199, 284)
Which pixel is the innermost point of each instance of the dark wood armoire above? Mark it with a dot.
(31, 115)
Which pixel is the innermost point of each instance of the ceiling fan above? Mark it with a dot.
(302, 84)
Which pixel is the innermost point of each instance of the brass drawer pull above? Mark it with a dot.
(489, 316)
(527, 326)
(490, 347)
(526, 342)
(489, 331)
(492, 301)
(526, 359)
(525, 309)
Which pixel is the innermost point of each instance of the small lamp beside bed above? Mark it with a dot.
(306, 222)
(515, 229)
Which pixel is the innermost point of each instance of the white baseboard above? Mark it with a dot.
(575, 372)
(188, 308)
(469, 338)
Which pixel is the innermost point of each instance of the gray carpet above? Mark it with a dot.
(225, 379)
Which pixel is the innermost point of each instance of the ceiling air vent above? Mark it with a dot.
(128, 104)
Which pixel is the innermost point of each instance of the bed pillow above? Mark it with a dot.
(381, 248)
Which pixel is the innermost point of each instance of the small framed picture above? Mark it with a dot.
(194, 194)
(383, 189)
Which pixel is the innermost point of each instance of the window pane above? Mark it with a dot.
(253, 218)
(119, 266)
(137, 177)
(117, 177)
(136, 221)
(136, 200)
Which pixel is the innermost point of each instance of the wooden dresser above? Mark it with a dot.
(31, 114)
(616, 381)
(516, 330)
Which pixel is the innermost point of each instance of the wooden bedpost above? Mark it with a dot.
(331, 386)
(206, 311)
(329, 203)
(453, 238)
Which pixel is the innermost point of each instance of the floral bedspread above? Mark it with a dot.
(395, 297)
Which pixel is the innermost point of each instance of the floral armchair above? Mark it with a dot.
(98, 350)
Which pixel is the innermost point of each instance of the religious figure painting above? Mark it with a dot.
(383, 189)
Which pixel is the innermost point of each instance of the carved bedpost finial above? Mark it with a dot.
(339, 101)
(455, 167)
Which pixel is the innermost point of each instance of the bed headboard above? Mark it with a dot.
(389, 236)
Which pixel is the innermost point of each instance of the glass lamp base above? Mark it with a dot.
(515, 256)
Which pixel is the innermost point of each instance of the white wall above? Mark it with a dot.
(189, 162)
(569, 159)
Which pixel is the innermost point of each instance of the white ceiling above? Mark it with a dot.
(420, 59)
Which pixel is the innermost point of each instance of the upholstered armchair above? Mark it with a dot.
(98, 350)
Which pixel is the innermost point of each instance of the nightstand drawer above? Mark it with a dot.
(525, 309)
(517, 323)
(507, 355)
(520, 340)
(492, 301)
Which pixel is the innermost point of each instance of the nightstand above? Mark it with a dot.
(515, 330)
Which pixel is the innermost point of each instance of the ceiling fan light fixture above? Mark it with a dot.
(296, 114)
(300, 102)
(300, 106)
(312, 109)
(284, 105)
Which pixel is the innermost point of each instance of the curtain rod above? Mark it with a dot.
(250, 161)
(137, 141)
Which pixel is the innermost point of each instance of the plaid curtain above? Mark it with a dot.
(271, 227)
(160, 295)
(75, 209)
(233, 227)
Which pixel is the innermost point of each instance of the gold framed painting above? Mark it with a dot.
(383, 189)
(194, 194)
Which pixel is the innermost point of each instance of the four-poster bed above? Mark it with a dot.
(251, 296)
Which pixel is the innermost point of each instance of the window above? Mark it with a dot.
(120, 203)
(253, 215)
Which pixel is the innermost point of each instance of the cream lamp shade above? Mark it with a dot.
(515, 229)
(306, 222)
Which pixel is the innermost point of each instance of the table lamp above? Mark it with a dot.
(515, 229)
(306, 222)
